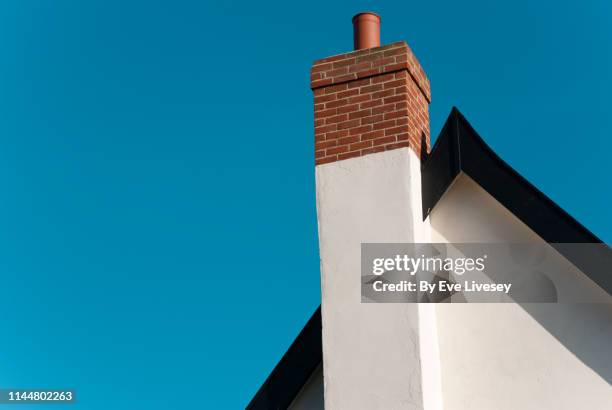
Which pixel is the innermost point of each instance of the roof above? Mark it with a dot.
(458, 149)
(290, 374)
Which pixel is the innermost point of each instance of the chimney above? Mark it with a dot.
(371, 121)
(370, 100)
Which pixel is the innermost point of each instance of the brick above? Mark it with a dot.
(383, 109)
(360, 130)
(319, 154)
(402, 137)
(321, 83)
(337, 72)
(348, 140)
(336, 103)
(394, 98)
(360, 114)
(401, 121)
(373, 135)
(337, 150)
(371, 88)
(381, 141)
(360, 98)
(367, 73)
(348, 93)
(370, 57)
(344, 78)
(321, 67)
(360, 145)
(383, 78)
(402, 90)
(402, 58)
(348, 124)
(325, 144)
(359, 67)
(371, 120)
(349, 155)
(335, 88)
(373, 150)
(383, 62)
(348, 108)
(396, 114)
(336, 134)
(397, 130)
(370, 104)
(382, 94)
(383, 125)
(398, 145)
(325, 160)
(325, 128)
(395, 67)
(344, 63)
(395, 83)
(336, 119)
(324, 98)
(359, 83)
(394, 52)
(326, 113)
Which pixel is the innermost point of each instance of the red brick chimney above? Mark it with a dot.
(369, 100)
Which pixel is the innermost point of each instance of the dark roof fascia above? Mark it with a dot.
(290, 374)
(459, 149)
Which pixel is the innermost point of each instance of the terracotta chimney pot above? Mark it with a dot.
(366, 30)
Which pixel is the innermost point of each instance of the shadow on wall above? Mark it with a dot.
(469, 214)
(585, 329)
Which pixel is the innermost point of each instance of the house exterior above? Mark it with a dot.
(379, 181)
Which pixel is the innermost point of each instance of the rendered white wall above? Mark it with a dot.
(373, 354)
(511, 356)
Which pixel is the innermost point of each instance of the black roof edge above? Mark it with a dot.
(459, 149)
(291, 373)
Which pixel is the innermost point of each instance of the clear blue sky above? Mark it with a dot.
(157, 215)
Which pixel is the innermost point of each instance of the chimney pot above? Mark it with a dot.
(366, 30)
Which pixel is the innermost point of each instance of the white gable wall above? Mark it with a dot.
(510, 356)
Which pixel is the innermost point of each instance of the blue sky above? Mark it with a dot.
(157, 213)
